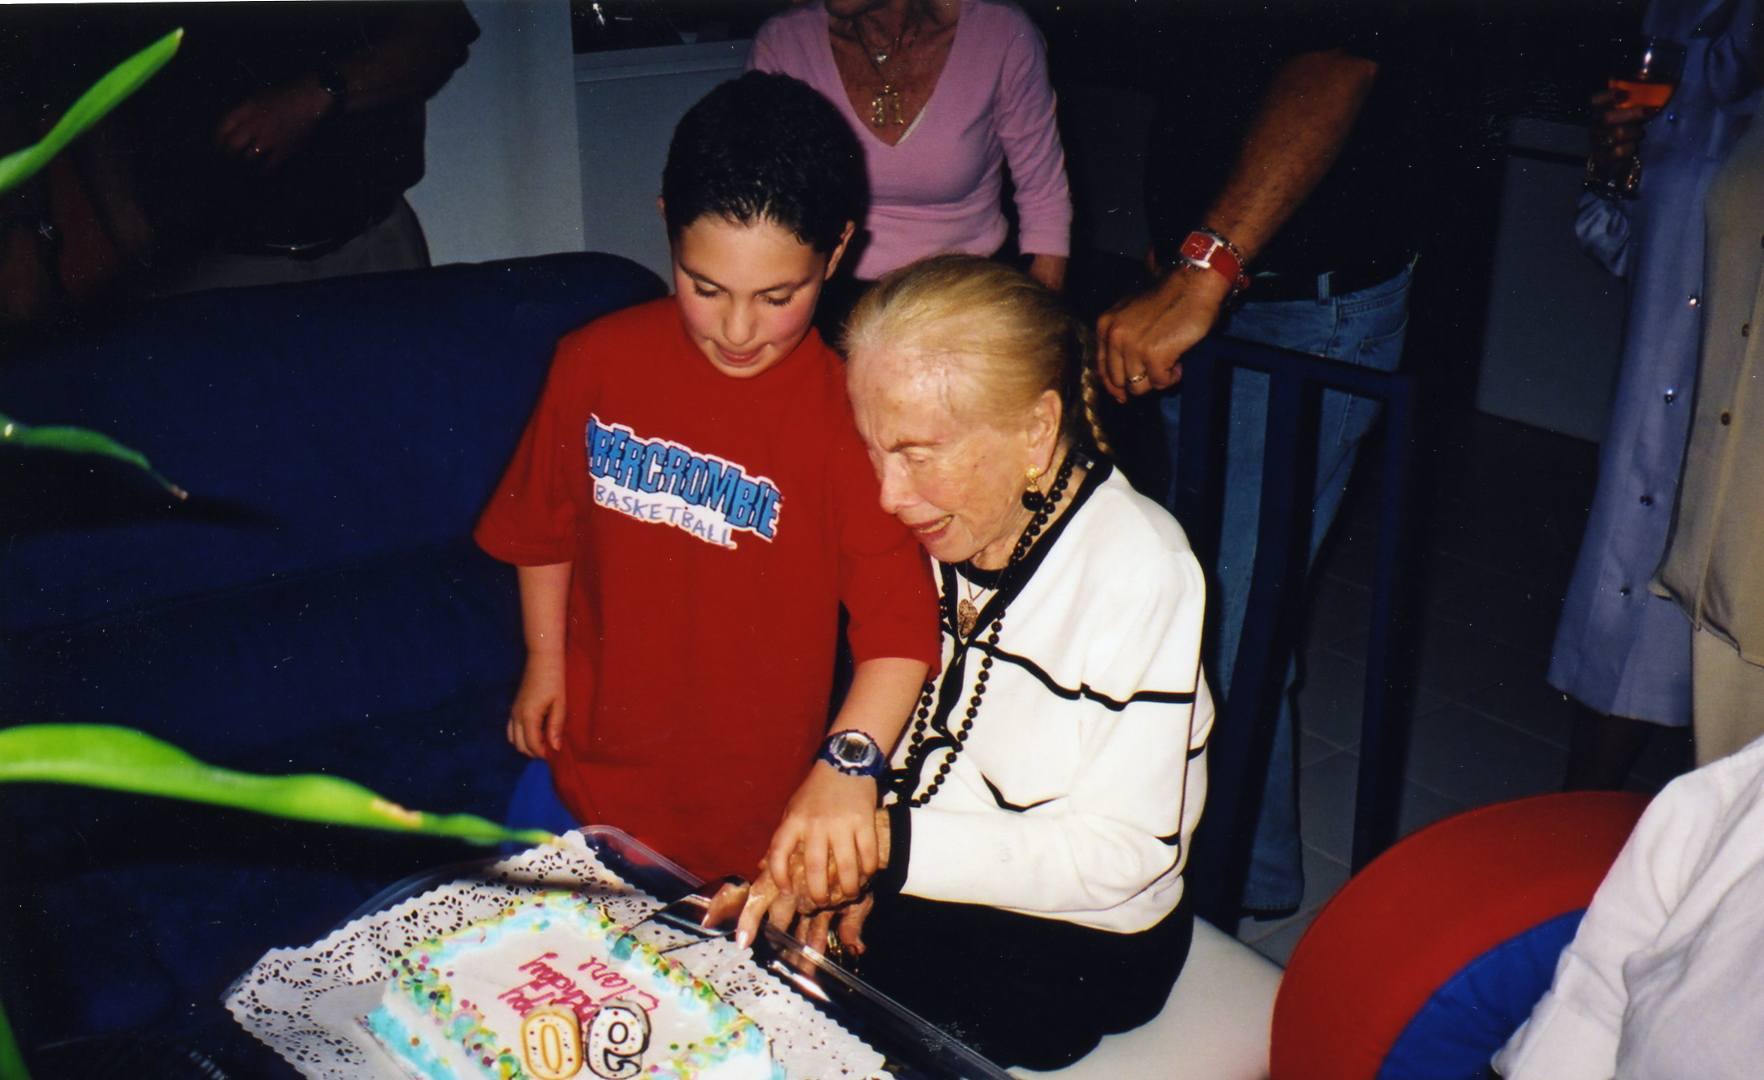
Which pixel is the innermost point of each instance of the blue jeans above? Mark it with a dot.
(1366, 328)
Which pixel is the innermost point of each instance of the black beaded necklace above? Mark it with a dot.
(919, 747)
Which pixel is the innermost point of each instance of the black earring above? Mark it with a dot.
(1033, 500)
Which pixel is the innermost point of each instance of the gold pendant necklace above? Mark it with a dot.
(887, 105)
(968, 608)
(966, 616)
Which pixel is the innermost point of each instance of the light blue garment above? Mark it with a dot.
(1620, 649)
(1366, 328)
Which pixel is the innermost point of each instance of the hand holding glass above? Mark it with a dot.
(1646, 84)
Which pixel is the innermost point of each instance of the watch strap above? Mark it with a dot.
(1205, 249)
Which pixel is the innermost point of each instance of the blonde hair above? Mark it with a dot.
(964, 305)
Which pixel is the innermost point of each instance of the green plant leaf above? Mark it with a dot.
(123, 759)
(106, 94)
(12, 1064)
(80, 441)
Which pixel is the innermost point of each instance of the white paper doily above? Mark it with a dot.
(306, 1003)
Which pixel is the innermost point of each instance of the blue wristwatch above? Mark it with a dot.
(854, 754)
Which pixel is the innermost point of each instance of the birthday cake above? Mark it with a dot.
(550, 989)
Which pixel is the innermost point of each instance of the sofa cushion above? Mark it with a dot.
(296, 658)
(1438, 903)
(316, 606)
(316, 425)
(1477, 1010)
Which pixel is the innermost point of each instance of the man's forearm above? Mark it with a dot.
(1292, 142)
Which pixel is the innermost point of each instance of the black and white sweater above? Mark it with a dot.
(1079, 786)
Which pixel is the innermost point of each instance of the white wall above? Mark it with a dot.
(627, 104)
(502, 177)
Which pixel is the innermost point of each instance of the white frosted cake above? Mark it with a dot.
(551, 989)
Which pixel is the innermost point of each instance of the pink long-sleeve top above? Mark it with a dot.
(937, 190)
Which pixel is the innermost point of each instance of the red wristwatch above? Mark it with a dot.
(1207, 250)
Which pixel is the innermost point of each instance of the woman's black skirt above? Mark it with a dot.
(1024, 991)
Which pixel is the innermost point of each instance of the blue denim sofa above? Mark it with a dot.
(315, 605)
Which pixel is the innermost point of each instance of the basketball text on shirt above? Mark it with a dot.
(659, 481)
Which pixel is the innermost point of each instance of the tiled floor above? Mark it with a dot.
(1505, 511)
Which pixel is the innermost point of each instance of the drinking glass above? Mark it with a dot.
(1647, 81)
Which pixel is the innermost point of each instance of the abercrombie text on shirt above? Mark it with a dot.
(663, 482)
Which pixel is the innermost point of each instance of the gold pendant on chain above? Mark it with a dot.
(966, 616)
(885, 107)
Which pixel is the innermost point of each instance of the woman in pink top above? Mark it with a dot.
(942, 94)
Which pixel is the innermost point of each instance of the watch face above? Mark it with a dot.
(854, 749)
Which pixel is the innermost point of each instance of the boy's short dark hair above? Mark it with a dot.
(766, 147)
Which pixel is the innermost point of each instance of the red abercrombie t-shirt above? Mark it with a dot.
(714, 524)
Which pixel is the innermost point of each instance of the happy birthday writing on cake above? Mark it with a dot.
(548, 986)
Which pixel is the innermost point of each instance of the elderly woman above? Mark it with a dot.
(1038, 813)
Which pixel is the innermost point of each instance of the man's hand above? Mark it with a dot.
(536, 722)
(830, 823)
(271, 126)
(1293, 140)
(1140, 341)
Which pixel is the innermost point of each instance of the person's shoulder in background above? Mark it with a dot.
(1004, 19)
(783, 42)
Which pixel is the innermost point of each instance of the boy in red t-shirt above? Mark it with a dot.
(690, 505)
